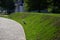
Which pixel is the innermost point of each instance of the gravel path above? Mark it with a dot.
(11, 30)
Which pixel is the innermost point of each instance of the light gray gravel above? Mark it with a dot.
(11, 30)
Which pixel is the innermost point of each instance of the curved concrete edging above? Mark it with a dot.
(11, 30)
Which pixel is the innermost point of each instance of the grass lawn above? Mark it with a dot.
(39, 26)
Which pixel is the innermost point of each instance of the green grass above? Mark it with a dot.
(39, 26)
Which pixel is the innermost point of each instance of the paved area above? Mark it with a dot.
(11, 30)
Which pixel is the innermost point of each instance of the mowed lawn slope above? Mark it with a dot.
(39, 26)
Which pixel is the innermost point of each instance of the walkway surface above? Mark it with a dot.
(11, 30)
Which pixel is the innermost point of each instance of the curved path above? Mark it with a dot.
(11, 30)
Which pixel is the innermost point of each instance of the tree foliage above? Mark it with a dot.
(32, 5)
(56, 6)
(36, 4)
(9, 5)
(43, 4)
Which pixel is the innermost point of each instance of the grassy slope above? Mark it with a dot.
(39, 26)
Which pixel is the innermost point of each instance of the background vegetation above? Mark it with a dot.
(43, 5)
(33, 5)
